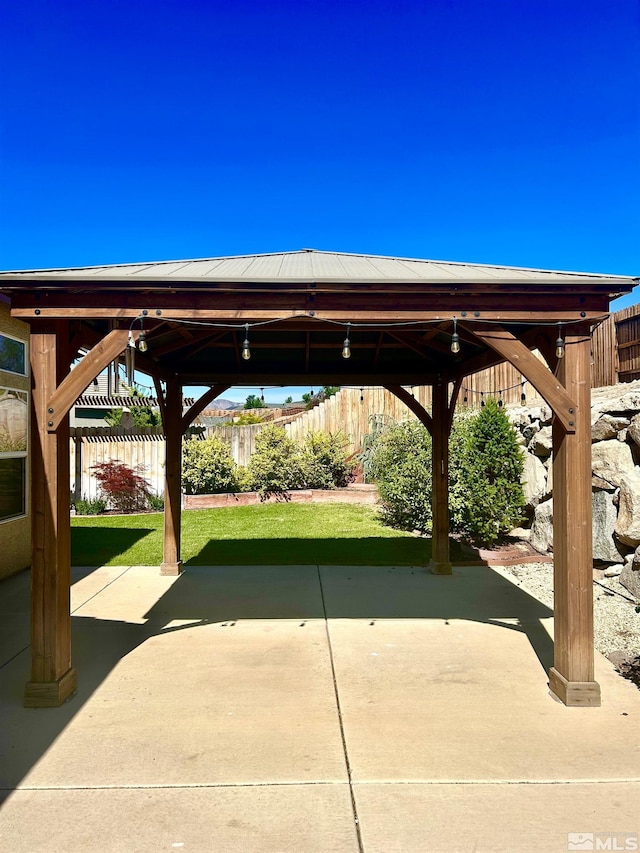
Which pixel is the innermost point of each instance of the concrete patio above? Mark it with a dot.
(308, 709)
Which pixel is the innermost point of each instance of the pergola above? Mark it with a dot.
(407, 322)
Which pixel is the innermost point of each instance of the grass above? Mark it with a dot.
(269, 534)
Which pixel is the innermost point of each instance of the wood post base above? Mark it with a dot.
(574, 693)
(440, 567)
(50, 694)
(171, 569)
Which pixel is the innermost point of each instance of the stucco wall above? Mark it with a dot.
(15, 534)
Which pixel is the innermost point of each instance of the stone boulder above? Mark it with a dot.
(607, 427)
(612, 460)
(542, 527)
(634, 430)
(630, 574)
(534, 480)
(604, 522)
(627, 526)
(542, 442)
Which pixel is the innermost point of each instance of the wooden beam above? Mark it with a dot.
(327, 377)
(75, 382)
(53, 679)
(350, 312)
(572, 676)
(201, 404)
(89, 338)
(537, 373)
(455, 393)
(411, 403)
(171, 562)
(440, 560)
(161, 402)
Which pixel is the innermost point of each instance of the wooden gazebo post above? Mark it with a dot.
(172, 420)
(572, 676)
(440, 563)
(53, 679)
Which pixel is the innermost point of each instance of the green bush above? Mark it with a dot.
(400, 464)
(486, 493)
(324, 461)
(485, 466)
(208, 467)
(276, 464)
(84, 506)
(156, 502)
(245, 419)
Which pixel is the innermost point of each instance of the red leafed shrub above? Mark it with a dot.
(124, 488)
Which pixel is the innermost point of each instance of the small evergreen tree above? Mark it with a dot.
(487, 495)
(253, 402)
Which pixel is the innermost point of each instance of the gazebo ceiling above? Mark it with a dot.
(299, 306)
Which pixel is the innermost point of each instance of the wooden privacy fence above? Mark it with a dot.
(135, 446)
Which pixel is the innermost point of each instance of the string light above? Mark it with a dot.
(346, 346)
(143, 345)
(246, 351)
(455, 338)
(559, 343)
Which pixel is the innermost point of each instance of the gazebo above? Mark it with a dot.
(310, 318)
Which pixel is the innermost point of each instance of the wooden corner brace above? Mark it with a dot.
(85, 371)
(537, 373)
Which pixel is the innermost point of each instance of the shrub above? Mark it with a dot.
(324, 461)
(84, 506)
(400, 464)
(277, 463)
(208, 467)
(486, 493)
(458, 443)
(245, 419)
(124, 488)
(142, 416)
(156, 502)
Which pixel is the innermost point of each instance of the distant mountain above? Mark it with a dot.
(221, 403)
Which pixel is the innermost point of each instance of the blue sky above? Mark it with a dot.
(501, 131)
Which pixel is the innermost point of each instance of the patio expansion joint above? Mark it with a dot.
(100, 591)
(171, 786)
(496, 782)
(354, 807)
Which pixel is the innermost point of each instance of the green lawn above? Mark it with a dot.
(270, 534)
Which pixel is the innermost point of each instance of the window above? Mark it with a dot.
(14, 417)
(13, 355)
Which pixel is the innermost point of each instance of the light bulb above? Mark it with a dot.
(346, 348)
(559, 348)
(143, 346)
(455, 343)
(246, 352)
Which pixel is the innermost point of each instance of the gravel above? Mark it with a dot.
(616, 625)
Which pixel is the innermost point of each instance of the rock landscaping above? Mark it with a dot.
(615, 422)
